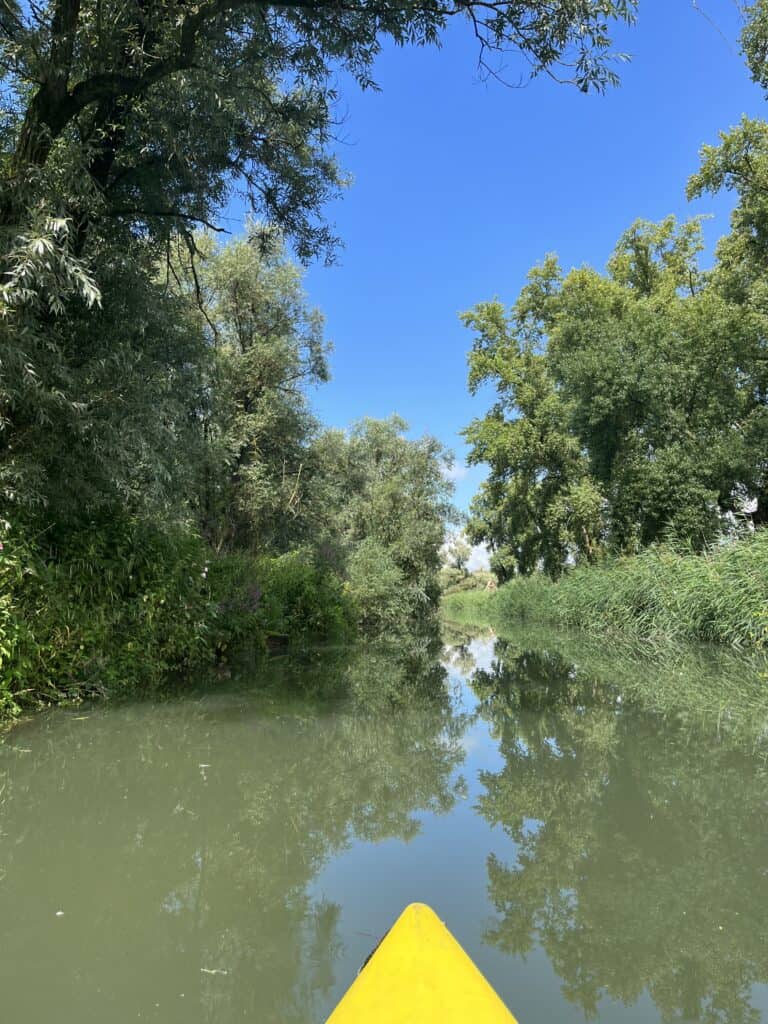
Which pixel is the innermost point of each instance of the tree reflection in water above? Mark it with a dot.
(643, 843)
(180, 840)
(184, 842)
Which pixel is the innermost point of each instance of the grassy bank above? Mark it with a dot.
(720, 596)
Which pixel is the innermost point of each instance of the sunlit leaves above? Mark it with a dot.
(624, 400)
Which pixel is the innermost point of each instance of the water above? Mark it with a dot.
(234, 853)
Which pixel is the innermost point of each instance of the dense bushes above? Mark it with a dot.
(719, 596)
(124, 604)
(103, 604)
(381, 598)
(120, 603)
(292, 597)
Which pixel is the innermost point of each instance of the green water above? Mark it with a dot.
(234, 853)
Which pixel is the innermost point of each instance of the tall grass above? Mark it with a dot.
(720, 596)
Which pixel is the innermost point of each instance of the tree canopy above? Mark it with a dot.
(632, 404)
(148, 113)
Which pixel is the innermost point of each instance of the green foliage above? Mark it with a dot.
(382, 505)
(720, 595)
(153, 384)
(631, 406)
(96, 411)
(123, 112)
(378, 588)
(266, 348)
(536, 462)
(450, 577)
(291, 597)
(120, 606)
(475, 607)
(12, 573)
(304, 599)
(123, 606)
(107, 581)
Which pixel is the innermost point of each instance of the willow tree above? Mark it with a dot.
(126, 125)
(148, 113)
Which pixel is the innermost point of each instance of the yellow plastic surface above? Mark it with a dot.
(420, 975)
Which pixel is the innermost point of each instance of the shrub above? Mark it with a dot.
(128, 602)
(381, 598)
(290, 596)
(119, 606)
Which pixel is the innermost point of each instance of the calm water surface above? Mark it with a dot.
(234, 853)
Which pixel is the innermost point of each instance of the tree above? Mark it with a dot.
(96, 408)
(125, 125)
(524, 508)
(121, 111)
(130, 400)
(267, 349)
(457, 553)
(383, 502)
(740, 163)
(651, 357)
(625, 403)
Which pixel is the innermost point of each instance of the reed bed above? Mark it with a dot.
(720, 596)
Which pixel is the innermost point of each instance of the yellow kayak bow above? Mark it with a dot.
(420, 975)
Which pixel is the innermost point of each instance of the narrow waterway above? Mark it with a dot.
(234, 852)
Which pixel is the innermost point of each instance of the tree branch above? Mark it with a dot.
(132, 211)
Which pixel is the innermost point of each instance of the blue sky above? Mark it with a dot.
(461, 185)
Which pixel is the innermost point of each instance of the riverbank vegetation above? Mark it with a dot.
(719, 596)
(630, 420)
(188, 499)
(165, 490)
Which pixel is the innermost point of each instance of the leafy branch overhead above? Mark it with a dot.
(152, 112)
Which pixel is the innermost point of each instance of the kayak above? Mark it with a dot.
(419, 974)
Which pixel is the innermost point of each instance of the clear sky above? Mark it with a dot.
(461, 185)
